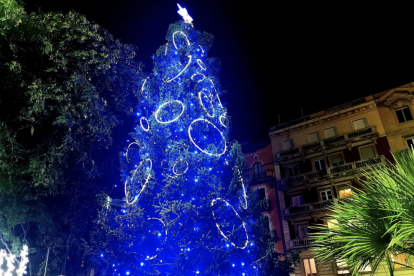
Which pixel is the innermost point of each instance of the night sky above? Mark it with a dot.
(277, 56)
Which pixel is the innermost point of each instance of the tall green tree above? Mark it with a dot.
(65, 84)
(375, 223)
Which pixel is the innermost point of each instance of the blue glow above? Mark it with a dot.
(203, 146)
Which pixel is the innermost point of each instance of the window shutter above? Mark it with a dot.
(287, 144)
(359, 124)
(330, 132)
(368, 152)
(313, 137)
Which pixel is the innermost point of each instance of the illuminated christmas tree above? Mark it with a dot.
(186, 208)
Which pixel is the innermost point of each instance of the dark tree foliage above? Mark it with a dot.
(65, 84)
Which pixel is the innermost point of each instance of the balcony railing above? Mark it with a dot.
(309, 207)
(332, 172)
(328, 142)
(265, 205)
(303, 177)
(300, 243)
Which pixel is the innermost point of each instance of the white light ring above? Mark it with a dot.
(128, 149)
(145, 184)
(180, 173)
(142, 88)
(201, 50)
(188, 42)
(166, 235)
(216, 93)
(221, 232)
(191, 138)
(204, 77)
(178, 73)
(244, 190)
(202, 104)
(221, 118)
(166, 48)
(201, 64)
(175, 119)
(140, 122)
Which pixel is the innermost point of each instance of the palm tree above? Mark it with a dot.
(376, 223)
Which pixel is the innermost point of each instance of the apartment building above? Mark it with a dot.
(317, 158)
(259, 159)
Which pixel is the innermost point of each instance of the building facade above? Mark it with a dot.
(317, 158)
(259, 160)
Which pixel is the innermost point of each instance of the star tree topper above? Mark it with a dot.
(183, 12)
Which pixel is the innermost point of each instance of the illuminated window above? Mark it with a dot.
(313, 137)
(288, 144)
(330, 132)
(310, 267)
(404, 114)
(359, 124)
(336, 160)
(326, 195)
(368, 152)
(399, 260)
(342, 267)
(344, 192)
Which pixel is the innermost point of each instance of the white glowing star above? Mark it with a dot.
(183, 12)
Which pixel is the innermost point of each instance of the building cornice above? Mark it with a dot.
(325, 118)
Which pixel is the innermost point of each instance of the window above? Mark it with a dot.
(297, 200)
(404, 114)
(359, 124)
(410, 142)
(326, 195)
(344, 192)
(342, 267)
(319, 164)
(292, 171)
(288, 144)
(399, 260)
(368, 152)
(330, 132)
(302, 231)
(313, 137)
(257, 170)
(310, 267)
(261, 193)
(337, 160)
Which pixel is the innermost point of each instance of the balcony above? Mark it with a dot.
(327, 143)
(253, 176)
(309, 207)
(301, 243)
(304, 177)
(265, 205)
(329, 173)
